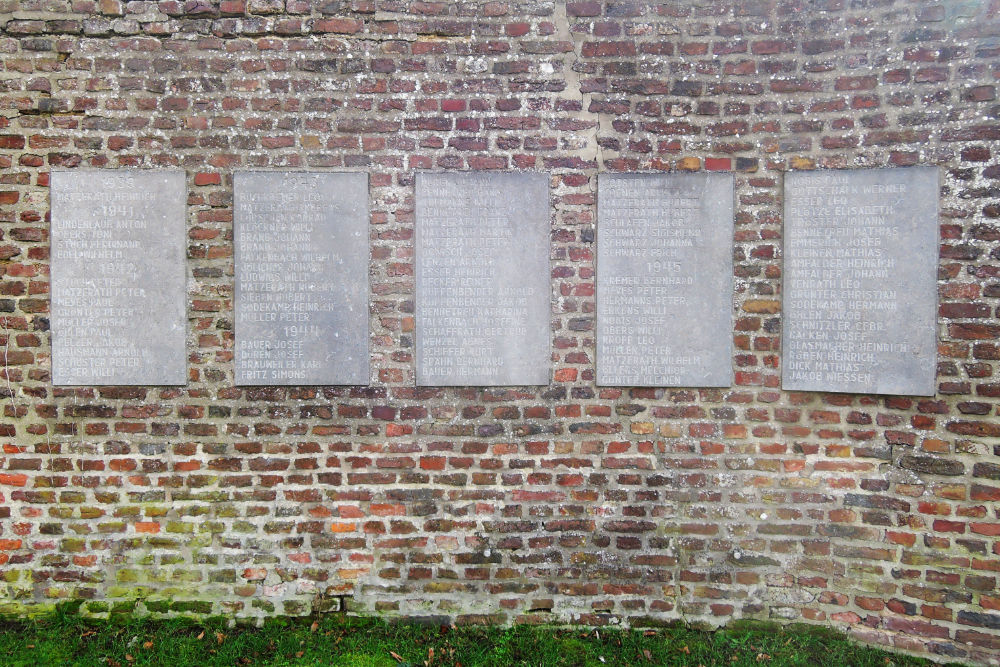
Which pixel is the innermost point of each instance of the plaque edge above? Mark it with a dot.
(797, 173)
(237, 173)
(418, 175)
(731, 224)
(173, 377)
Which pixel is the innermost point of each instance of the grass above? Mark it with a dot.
(64, 638)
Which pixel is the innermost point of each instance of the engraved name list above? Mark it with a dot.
(860, 298)
(482, 313)
(118, 277)
(301, 278)
(664, 280)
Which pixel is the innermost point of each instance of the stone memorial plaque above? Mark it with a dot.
(301, 278)
(664, 280)
(118, 277)
(860, 281)
(482, 259)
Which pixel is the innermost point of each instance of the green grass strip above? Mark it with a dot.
(65, 638)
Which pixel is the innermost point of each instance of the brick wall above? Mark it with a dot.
(566, 503)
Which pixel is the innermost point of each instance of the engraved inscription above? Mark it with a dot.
(301, 278)
(482, 279)
(860, 298)
(664, 280)
(118, 277)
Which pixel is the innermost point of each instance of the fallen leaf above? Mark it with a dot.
(649, 656)
(314, 626)
(685, 650)
(299, 654)
(649, 633)
(147, 645)
(202, 635)
(129, 658)
(430, 653)
(219, 637)
(397, 657)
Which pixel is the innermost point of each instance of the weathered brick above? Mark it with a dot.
(477, 493)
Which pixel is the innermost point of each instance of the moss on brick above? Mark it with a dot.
(191, 606)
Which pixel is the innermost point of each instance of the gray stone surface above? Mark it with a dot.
(665, 280)
(301, 278)
(483, 293)
(860, 281)
(118, 277)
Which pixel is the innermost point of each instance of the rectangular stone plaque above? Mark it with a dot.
(301, 278)
(482, 256)
(664, 280)
(860, 281)
(118, 277)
